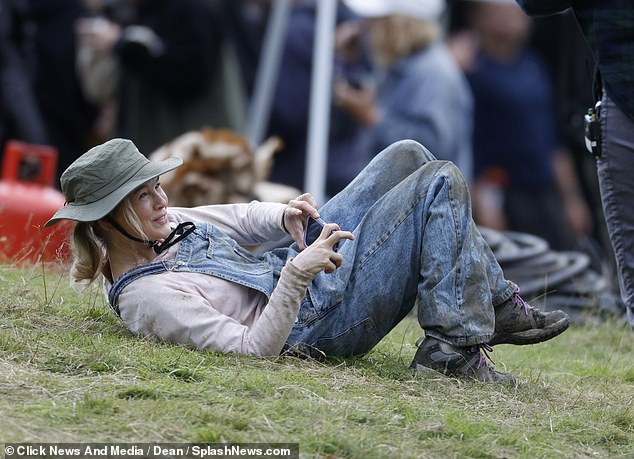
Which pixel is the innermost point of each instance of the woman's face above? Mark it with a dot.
(150, 204)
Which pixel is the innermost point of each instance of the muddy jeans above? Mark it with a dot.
(616, 181)
(416, 243)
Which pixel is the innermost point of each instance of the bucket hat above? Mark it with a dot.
(102, 177)
(429, 10)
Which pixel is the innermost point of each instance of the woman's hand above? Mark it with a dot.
(360, 103)
(295, 215)
(321, 255)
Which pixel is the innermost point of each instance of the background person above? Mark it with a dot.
(167, 55)
(290, 111)
(518, 154)
(420, 94)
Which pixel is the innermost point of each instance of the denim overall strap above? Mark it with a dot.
(208, 250)
(213, 252)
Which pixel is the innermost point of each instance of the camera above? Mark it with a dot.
(313, 230)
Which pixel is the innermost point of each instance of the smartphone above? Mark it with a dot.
(313, 230)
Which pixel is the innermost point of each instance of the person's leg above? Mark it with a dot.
(616, 181)
(417, 241)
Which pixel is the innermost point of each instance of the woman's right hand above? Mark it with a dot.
(321, 255)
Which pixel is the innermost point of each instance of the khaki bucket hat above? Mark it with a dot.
(103, 176)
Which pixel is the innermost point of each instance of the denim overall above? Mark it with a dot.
(415, 243)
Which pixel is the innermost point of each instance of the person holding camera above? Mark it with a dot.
(420, 92)
(403, 235)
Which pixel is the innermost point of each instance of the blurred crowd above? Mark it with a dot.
(474, 82)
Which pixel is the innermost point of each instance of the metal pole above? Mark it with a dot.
(320, 99)
(268, 69)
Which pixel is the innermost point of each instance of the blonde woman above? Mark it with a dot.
(421, 93)
(401, 233)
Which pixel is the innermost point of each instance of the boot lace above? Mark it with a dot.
(519, 301)
(485, 360)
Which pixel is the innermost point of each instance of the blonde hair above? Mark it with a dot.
(401, 36)
(90, 242)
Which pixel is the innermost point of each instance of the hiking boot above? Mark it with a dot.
(517, 322)
(461, 362)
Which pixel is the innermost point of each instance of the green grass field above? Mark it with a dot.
(71, 372)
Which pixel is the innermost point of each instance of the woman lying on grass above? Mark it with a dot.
(400, 234)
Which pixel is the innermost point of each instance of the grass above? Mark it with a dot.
(71, 372)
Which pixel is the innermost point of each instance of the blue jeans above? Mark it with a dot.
(616, 181)
(415, 243)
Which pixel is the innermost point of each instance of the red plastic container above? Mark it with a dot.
(27, 200)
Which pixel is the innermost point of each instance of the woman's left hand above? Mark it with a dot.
(295, 215)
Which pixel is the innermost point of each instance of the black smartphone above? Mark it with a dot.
(313, 230)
